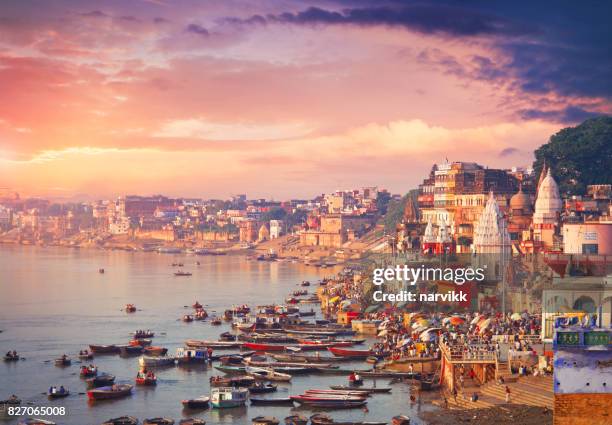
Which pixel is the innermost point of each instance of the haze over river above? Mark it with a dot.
(54, 301)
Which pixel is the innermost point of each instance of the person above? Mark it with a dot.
(507, 394)
(455, 394)
(445, 403)
(351, 377)
(51, 390)
(475, 397)
(62, 390)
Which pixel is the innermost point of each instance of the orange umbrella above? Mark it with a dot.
(456, 320)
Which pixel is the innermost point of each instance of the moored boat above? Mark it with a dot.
(111, 392)
(146, 361)
(34, 421)
(158, 421)
(186, 355)
(104, 349)
(323, 419)
(123, 420)
(226, 397)
(100, 381)
(234, 381)
(195, 343)
(400, 420)
(192, 421)
(261, 388)
(361, 389)
(355, 354)
(257, 401)
(296, 420)
(202, 402)
(130, 350)
(63, 361)
(267, 374)
(264, 420)
(155, 351)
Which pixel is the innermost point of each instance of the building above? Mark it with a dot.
(548, 208)
(520, 215)
(248, 230)
(276, 228)
(588, 238)
(6, 218)
(263, 234)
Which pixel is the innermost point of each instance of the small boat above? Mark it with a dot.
(323, 419)
(123, 420)
(148, 379)
(143, 334)
(155, 351)
(10, 357)
(233, 359)
(202, 402)
(130, 350)
(192, 421)
(261, 388)
(85, 355)
(338, 403)
(264, 420)
(194, 343)
(104, 349)
(305, 283)
(12, 401)
(187, 318)
(355, 354)
(63, 361)
(270, 401)
(34, 421)
(100, 381)
(101, 271)
(227, 336)
(368, 390)
(430, 383)
(267, 374)
(186, 355)
(182, 273)
(140, 342)
(111, 392)
(215, 321)
(231, 369)
(234, 381)
(228, 397)
(146, 361)
(130, 308)
(296, 420)
(57, 394)
(158, 421)
(197, 305)
(303, 358)
(400, 420)
(88, 371)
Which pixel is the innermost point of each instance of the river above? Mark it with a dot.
(54, 301)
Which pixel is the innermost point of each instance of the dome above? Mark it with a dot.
(548, 203)
(521, 201)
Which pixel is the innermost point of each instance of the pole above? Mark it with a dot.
(503, 268)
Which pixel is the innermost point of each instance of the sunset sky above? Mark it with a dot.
(279, 98)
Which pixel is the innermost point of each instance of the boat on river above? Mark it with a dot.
(267, 374)
(63, 361)
(330, 402)
(202, 402)
(198, 343)
(260, 401)
(52, 395)
(88, 371)
(261, 388)
(146, 379)
(226, 397)
(34, 421)
(304, 358)
(154, 351)
(122, 420)
(354, 354)
(10, 357)
(146, 361)
(243, 381)
(323, 419)
(101, 380)
(111, 392)
(369, 390)
(104, 349)
(130, 350)
(192, 421)
(296, 420)
(188, 356)
(158, 421)
(182, 273)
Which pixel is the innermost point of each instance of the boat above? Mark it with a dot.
(260, 347)
(130, 350)
(305, 283)
(430, 383)
(12, 401)
(197, 305)
(34, 421)
(194, 343)
(256, 401)
(146, 361)
(143, 334)
(226, 397)
(354, 354)
(264, 420)
(110, 392)
(146, 379)
(261, 388)
(187, 318)
(52, 395)
(296, 420)
(101, 271)
(100, 381)
(85, 355)
(186, 355)
(192, 421)
(303, 358)
(123, 420)
(215, 321)
(400, 420)
(323, 419)
(88, 371)
(376, 390)
(104, 349)
(231, 369)
(202, 402)
(11, 358)
(244, 381)
(158, 421)
(330, 403)
(63, 361)
(130, 308)
(182, 273)
(140, 342)
(227, 336)
(267, 374)
(232, 359)
(154, 351)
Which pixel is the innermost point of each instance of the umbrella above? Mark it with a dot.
(420, 328)
(423, 322)
(372, 308)
(516, 316)
(475, 320)
(456, 320)
(484, 324)
(334, 299)
(446, 320)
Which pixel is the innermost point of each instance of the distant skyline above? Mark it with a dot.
(286, 99)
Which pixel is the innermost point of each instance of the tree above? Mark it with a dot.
(579, 156)
(395, 211)
(275, 213)
(382, 201)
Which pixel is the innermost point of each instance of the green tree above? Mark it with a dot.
(275, 213)
(395, 210)
(579, 156)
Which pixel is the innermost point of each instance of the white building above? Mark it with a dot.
(276, 228)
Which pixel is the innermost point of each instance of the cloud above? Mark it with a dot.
(567, 115)
(508, 152)
(197, 29)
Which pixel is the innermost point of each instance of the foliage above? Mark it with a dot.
(382, 202)
(464, 241)
(395, 211)
(275, 213)
(579, 156)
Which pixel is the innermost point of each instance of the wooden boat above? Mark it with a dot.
(305, 283)
(304, 358)
(104, 349)
(215, 321)
(267, 374)
(63, 361)
(227, 336)
(140, 342)
(158, 421)
(57, 394)
(202, 402)
(12, 401)
(144, 380)
(101, 271)
(197, 305)
(143, 334)
(187, 318)
(123, 420)
(111, 392)
(231, 369)
(323, 419)
(100, 380)
(261, 388)
(341, 394)
(182, 273)
(244, 381)
(192, 421)
(34, 421)
(299, 367)
(307, 313)
(11, 358)
(361, 389)
(130, 308)
(388, 374)
(296, 420)
(130, 350)
(264, 420)
(86, 356)
(354, 354)
(88, 372)
(188, 356)
(330, 403)
(194, 343)
(228, 397)
(400, 420)
(256, 401)
(154, 351)
(146, 361)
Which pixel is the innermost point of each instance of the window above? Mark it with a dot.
(590, 249)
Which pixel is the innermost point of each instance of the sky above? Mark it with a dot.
(286, 98)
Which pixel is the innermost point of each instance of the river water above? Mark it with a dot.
(54, 301)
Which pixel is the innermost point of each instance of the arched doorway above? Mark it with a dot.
(585, 303)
